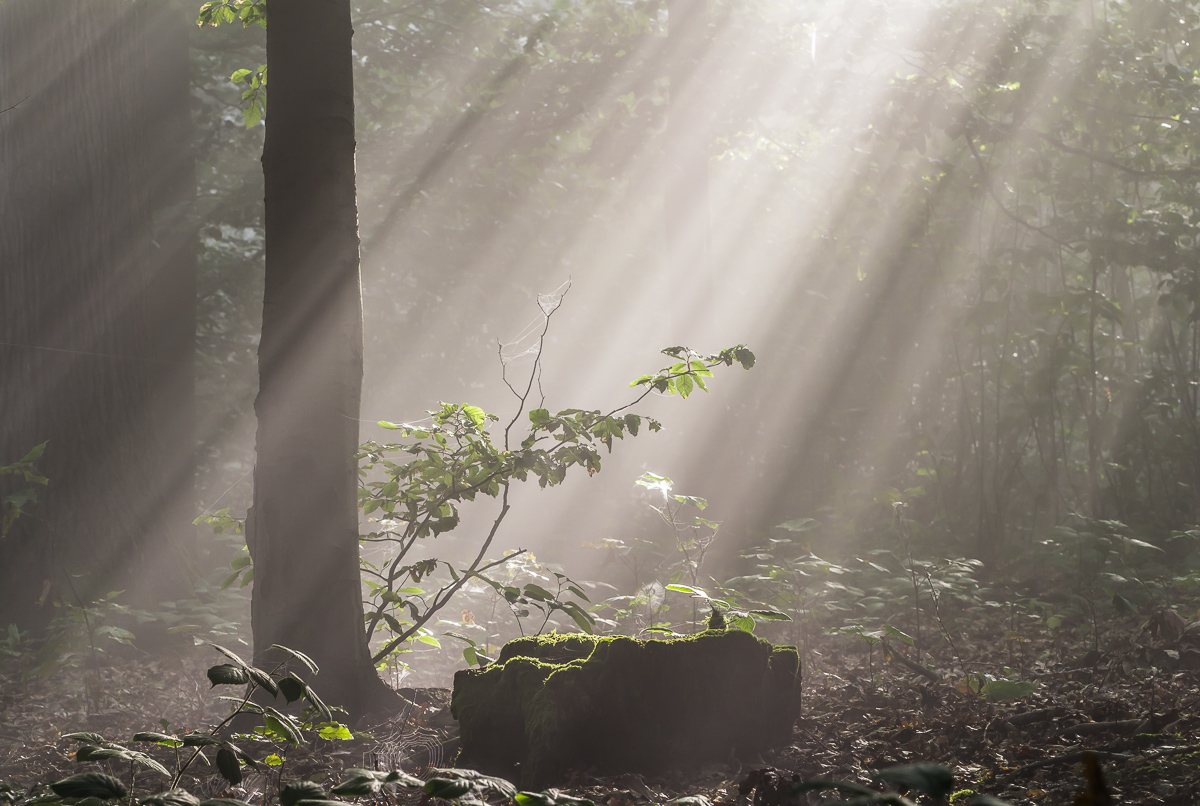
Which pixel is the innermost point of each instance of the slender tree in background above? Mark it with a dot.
(303, 528)
(687, 137)
(97, 291)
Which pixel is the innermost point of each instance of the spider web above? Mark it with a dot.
(528, 341)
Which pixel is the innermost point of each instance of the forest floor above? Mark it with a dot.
(1135, 703)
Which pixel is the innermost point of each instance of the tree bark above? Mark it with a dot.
(96, 312)
(303, 528)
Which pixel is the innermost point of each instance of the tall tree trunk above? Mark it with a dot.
(303, 528)
(96, 323)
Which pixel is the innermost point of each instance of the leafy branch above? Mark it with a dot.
(454, 459)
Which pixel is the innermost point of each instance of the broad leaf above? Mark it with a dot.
(296, 791)
(90, 785)
(228, 766)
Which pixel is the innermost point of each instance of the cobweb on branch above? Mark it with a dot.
(529, 341)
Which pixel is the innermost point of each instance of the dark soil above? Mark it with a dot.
(1135, 703)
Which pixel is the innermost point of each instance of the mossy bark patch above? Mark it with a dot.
(553, 703)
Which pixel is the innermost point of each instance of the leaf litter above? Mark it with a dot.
(1119, 722)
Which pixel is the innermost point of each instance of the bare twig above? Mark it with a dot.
(1066, 758)
(913, 666)
(987, 185)
(937, 613)
(535, 373)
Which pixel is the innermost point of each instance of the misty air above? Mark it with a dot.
(599, 402)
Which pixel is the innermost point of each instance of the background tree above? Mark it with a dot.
(687, 138)
(963, 262)
(97, 330)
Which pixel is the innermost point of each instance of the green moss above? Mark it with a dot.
(494, 700)
(622, 704)
(550, 648)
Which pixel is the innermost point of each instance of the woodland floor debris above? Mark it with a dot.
(859, 716)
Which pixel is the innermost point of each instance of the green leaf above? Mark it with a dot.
(404, 779)
(694, 592)
(693, 500)
(296, 791)
(1002, 690)
(550, 797)
(263, 679)
(149, 762)
(539, 593)
(770, 615)
(1132, 541)
(90, 738)
(476, 414)
(661, 630)
(583, 619)
(358, 786)
(232, 656)
(334, 731)
(253, 114)
(172, 797)
(242, 755)
(292, 688)
(226, 674)
(90, 785)
(743, 623)
(446, 788)
(900, 635)
(92, 753)
(1123, 605)
(33, 455)
(228, 766)
(486, 782)
(282, 726)
(157, 738)
(534, 799)
(200, 740)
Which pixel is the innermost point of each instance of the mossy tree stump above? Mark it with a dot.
(557, 702)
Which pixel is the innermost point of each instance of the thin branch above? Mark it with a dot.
(1100, 159)
(987, 184)
(1067, 758)
(444, 595)
(534, 373)
(14, 106)
(650, 385)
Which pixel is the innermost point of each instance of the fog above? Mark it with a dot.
(879, 199)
